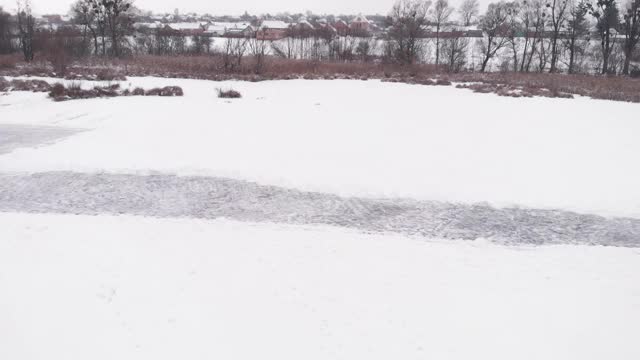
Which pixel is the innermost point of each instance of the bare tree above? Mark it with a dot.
(526, 21)
(606, 14)
(469, 11)
(558, 9)
(233, 52)
(100, 16)
(118, 20)
(454, 50)
(6, 33)
(543, 50)
(347, 47)
(26, 29)
(316, 46)
(178, 43)
(577, 28)
(161, 42)
(533, 17)
(439, 16)
(84, 15)
(258, 50)
(285, 47)
(631, 28)
(200, 44)
(60, 46)
(493, 25)
(513, 30)
(365, 49)
(328, 36)
(92, 16)
(407, 19)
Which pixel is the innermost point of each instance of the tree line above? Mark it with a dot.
(534, 33)
(521, 36)
(105, 22)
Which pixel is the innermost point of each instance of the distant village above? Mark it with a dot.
(265, 27)
(519, 36)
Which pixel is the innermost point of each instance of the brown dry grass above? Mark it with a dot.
(4, 84)
(59, 92)
(24, 85)
(212, 68)
(229, 94)
(513, 90)
(9, 62)
(559, 85)
(165, 91)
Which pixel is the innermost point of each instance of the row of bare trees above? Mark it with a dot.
(6, 33)
(534, 32)
(26, 25)
(22, 28)
(322, 44)
(546, 28)
(106, 22)
(521, 36)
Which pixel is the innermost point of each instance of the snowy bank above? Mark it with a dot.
(78, 287)
(354, 138)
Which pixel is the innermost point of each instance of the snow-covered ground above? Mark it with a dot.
(78, 287)
(336, 274)
(355, 138)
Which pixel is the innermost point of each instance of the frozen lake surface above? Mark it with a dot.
(212, 198)
(318, 220)
(14, 136)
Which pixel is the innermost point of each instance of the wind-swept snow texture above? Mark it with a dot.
(209, 198)
(355, 138)
(78, 287)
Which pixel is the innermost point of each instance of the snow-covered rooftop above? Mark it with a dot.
(153, 25)
(274, 24)
(186, 26)
(361, 18)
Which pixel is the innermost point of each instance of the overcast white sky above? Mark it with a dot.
(232, 7)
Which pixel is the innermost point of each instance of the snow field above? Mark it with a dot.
(78, 287)
(355, 138)
(124, 287)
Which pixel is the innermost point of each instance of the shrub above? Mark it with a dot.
(74, 91)
(211, 67)
(57, 91)
(30, 85)
(635, 72)
(442, 82)
(153, 92)
(165, 91)
(4, 84)
(229, 94)
(171, 91)
(8, 62)
(515, 90)
(110, 75)
(107, 91)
